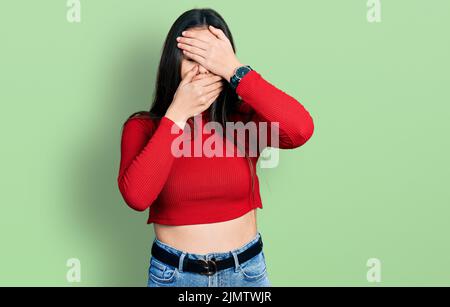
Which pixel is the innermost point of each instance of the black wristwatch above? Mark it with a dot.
(239, 73)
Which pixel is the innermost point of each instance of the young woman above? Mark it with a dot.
(203, 206)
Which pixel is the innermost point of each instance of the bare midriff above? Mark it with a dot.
(209, 238)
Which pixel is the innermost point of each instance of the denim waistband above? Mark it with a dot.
(216, 255)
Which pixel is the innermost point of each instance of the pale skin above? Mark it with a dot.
(208, 59)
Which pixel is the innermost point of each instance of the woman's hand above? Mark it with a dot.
(214, 52)
(193, 96)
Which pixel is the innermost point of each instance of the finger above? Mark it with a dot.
(193, 42)
(198, 35)
(218, 33)
(207, 80)
(212, 94)
(192, 49)
(199, 77)
(195, 57)
(213, 87)
(189, 75)
(211, 100)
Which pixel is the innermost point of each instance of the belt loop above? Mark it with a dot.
(181, 262)
(236, 260)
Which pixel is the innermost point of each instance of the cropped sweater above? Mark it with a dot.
(197, 189)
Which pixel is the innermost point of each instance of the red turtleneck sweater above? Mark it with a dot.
(182, 190)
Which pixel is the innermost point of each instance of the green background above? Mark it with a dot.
(372, 182)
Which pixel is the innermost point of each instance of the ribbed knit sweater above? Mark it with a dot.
(183, 190)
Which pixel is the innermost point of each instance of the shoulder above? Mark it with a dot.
(140, 123)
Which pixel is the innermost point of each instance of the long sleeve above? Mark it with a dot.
(145, 162)
(271, 104)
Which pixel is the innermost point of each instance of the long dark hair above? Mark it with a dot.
(169, 74)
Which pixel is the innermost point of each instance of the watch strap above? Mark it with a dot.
(236, 78)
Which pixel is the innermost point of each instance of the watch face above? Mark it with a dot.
(241, 71)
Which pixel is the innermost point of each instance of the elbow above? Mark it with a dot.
(136, 204)
(303, 131)
(132, 198)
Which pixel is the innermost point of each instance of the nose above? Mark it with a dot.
(202, 70)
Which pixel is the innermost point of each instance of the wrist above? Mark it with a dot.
(231, 70)
(177, 118)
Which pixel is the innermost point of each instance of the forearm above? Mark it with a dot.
(296, 125)
(143, 178)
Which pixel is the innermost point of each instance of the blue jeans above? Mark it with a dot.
(251, 273)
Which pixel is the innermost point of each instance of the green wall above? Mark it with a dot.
(372, 182)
